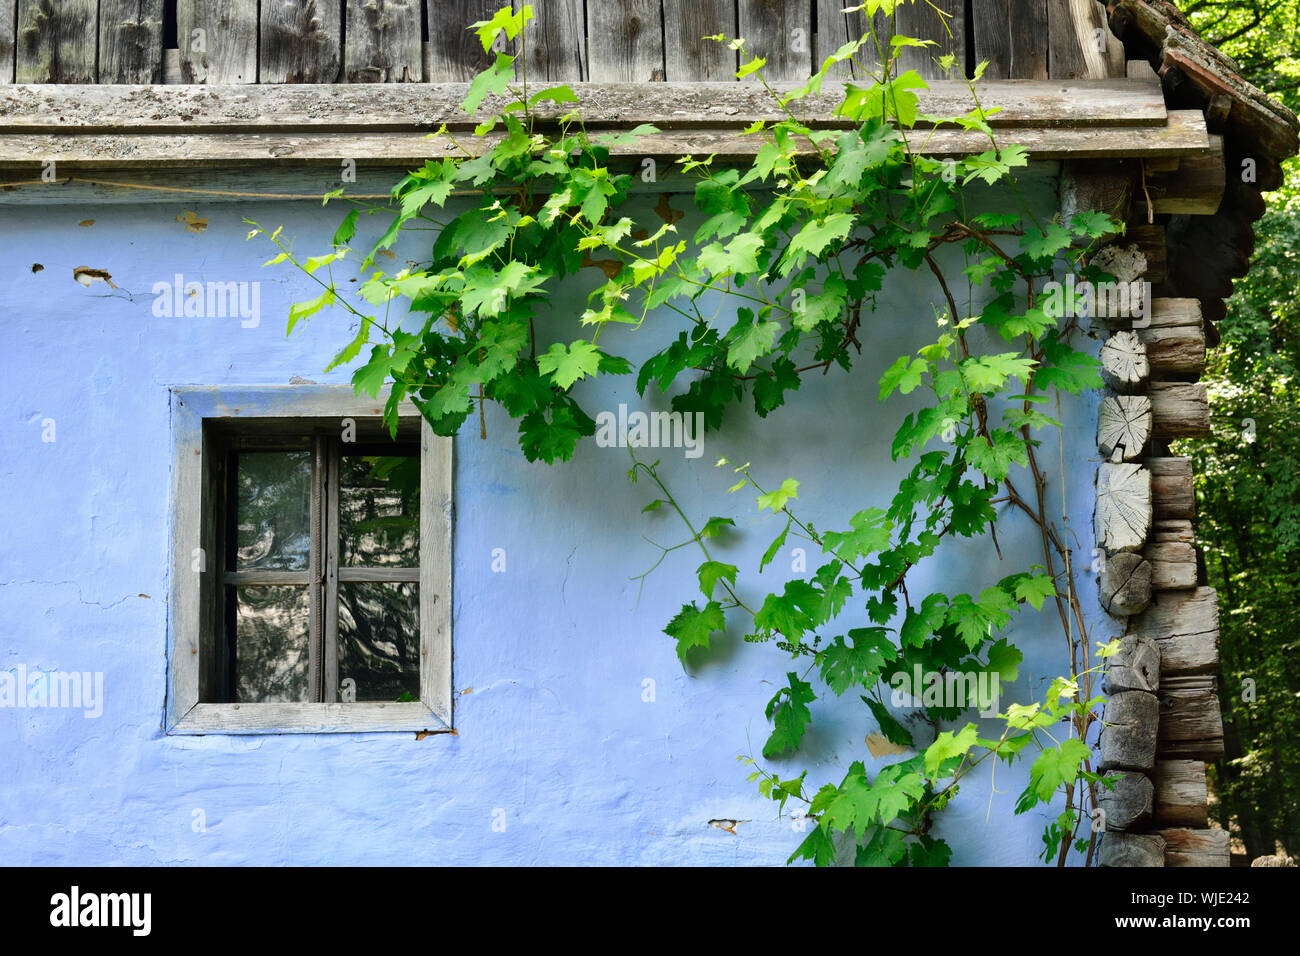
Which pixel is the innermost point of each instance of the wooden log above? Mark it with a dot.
(1124, 364)
(1080, 44)
(1181, 794)
(1187, 847)
(130, 41)
(1125, 262)
(1191, 724)
(1275, 860)
(1008, 33)
(1178, 350)
(1151, 240)
(836, 28)
(1132, 849)
(1172, 530)
(944, 22)
(382, 42)
(1195, 188)
(8, 23)
(1126, 800)
(1124, 426)
(687, 55)
(1173, 565)
(1179, 409)
(1125, 584)
(300, 41)
(56, 42)
(1186, 626)
(1129, 731)
(1123, 515)
(557, 41)
(1135, 666)
(781, 33)
(218, 40)
(625, 42)
(1173, 492)
(455, 53)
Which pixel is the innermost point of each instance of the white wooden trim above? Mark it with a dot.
(184, 714)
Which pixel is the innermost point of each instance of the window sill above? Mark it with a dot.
(357, 718)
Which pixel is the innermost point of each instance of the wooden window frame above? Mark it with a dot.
(202, 420)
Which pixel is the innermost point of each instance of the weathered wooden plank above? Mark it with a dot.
(687, 55)
(1181, 793)
(780, 31)
(402, 148)
(1186, 847)
(625, 42)
(8, 22)
(368, 717)
(1178, 350)
(944, 22)
(300, 41)
(1173, 491)
(1194, 188)
(836, 28)
(1123, 515)
(1135, 666)
(1176, 313)
(1025, 105)
(556, 41)
(1179, 409)
(382, 42)
(1125, 585)
(1173, 565)
(55, 43)
(1104, 186)
(1186, 626)
(1132, 849)
(130, 41)
(1129, 731)
(1128, 805)
(455, 53)
(1080, 43)
(218, 40)
(1191, 724)
(1009, 34)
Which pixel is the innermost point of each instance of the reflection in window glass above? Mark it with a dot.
(379, 511)
(271, 644)
(379, 640)
(273, 510)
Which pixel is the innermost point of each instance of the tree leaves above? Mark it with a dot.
(790, 715)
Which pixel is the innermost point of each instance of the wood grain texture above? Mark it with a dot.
(8, 24)
(1009, 34)
(1123, 516)
(1205, 847)
(1186, 626)
(557, 41)
(1173, 565)
(218, 40)
(1180, 793)
(1080, 44)
(1124, 365)
(1191, 724)
(1129, 731)
(382, 42)
(455, 53)
(687, 55)
(1132, 849)
(1124, 426)
(55, 42)
(301, 41)
(1135, 666)
(836, 28)
(1175, 351)
(1179, 409)
(1194, 188)
(1125, 584)
(625, 42)
(781, 33)
(1129, 803)
(944, 22)
(1028, 107)
(1173, 491)
(130, 41)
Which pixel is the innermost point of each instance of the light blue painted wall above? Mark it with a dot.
(550, 656)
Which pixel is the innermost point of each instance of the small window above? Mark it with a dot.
(317, 591)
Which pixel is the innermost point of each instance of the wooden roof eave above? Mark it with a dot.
(177, 127)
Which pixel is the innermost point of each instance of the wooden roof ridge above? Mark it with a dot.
(1176, 45)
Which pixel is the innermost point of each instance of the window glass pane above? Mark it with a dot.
(379, 641)
(379, 511)
(271, 644)
(273, 510)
